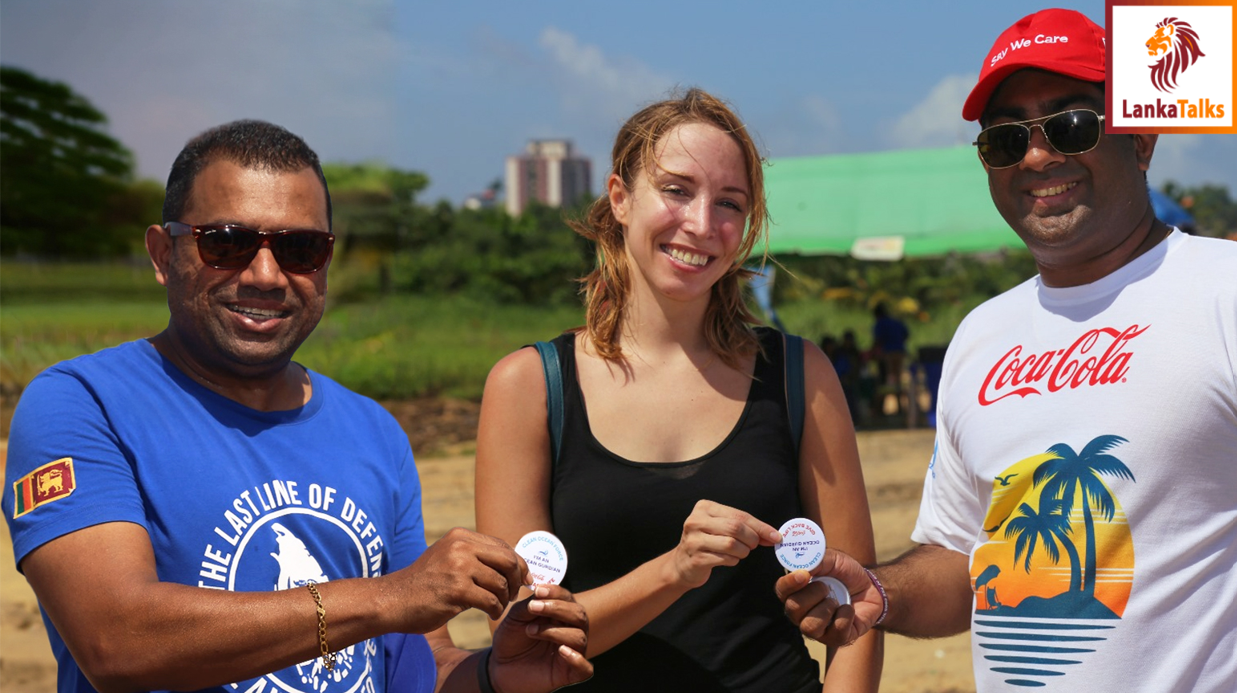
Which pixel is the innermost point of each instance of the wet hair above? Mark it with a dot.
(252, 144)
(728, 322)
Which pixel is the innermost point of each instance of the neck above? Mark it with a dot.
(285, 387)
(1145, 235)
(654, 328)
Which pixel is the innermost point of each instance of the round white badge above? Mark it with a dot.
(545, 555)
(836, 589)
(803, 544)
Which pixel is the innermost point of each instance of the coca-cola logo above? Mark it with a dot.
(1099, 357)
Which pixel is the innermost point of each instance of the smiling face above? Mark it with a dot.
(1069, 210)
(249, 322)
(684, 219)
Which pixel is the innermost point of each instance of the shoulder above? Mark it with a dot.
(995, 312)
(112, 367)
(814, 360)
(138, 353)
(518, 371)
(1204, 256)
(352, 406)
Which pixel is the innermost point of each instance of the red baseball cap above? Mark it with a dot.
(1061, 41)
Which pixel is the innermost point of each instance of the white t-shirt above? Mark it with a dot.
(1086, 461)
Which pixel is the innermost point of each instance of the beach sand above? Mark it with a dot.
(893, 463)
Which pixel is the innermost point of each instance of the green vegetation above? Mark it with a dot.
(23, 283)
(822, 295)
(34, 336)
(387, 347)
(405, 346)
(66, 187)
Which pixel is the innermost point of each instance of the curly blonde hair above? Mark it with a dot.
(728, 322)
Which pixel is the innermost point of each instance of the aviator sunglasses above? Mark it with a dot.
(1069, 132)
(231, 247)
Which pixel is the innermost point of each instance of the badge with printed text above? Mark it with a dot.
(545, 555)
(803, 544)
(50, 482)
(836, 589)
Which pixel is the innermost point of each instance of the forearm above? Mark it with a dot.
(619, 609)
(457, 669)
(857, 667)
(168, 636)
(929, 589)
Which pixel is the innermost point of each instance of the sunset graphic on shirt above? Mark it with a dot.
(1057, 567)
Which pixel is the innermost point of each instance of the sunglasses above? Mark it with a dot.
(1069, 132)
(231, 247)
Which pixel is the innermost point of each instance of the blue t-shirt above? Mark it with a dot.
(889, 335)
(232, 498)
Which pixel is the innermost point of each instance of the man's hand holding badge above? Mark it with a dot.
(829, 594)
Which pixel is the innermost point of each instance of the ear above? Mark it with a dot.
(1144, 148)
(981, 160)
(159, 248)
(620, 197)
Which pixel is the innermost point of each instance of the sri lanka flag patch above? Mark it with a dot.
(50, 482)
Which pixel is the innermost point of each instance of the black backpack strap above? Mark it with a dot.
(553, 394)
(794, 387)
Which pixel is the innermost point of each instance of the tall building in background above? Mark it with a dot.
(549, 172)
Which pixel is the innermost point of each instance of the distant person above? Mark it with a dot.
(1080, 510)
(196, 511)
(848, 364)
(677, 463)
(829, 346)
(889, 336)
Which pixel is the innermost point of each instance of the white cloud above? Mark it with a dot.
(1173, 159)
(163, 72)
(936, 121)
(807, 126)
(600, 85)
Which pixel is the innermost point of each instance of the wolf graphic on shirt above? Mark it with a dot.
(297, 567)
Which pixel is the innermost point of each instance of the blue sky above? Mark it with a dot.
(452, 88)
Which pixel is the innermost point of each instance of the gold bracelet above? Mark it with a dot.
(328, 657)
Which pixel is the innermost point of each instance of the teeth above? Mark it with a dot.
(689, 258)
(259, 313)
(1045, 192)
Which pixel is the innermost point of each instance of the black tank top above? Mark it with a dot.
(614, 514)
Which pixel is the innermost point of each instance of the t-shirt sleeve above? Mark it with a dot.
(410, 663)
(409, 523)
(65, 470)
(951, 510)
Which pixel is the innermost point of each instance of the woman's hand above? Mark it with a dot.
(716, 535)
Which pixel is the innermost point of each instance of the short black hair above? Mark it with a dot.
(250, 143)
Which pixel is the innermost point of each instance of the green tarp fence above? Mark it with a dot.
(884, 205)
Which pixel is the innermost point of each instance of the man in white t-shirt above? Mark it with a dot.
(1080, 510)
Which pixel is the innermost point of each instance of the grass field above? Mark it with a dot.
(390, 347)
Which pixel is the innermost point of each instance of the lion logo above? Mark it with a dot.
(51, 481)
(1178, 42)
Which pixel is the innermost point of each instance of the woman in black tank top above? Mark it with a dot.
(677, 463)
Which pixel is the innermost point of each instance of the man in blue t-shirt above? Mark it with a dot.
(197, 511)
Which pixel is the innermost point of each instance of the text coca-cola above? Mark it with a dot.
(1081, 363)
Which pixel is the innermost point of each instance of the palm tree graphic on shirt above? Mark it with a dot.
(1053, 504)
(1039, 513)
(1068, 473)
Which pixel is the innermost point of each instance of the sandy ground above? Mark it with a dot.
(894, 463)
